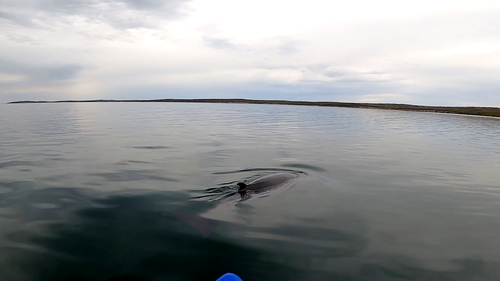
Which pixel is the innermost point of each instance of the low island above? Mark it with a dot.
(483, 111)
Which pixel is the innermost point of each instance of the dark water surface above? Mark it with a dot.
(147, 192)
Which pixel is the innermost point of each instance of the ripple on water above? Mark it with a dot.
(151, 147)
(384, 195)
(131, 175)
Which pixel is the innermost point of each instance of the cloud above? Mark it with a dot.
(22, 39)
(44, 72)
(220, 43)
(118, 14)
(274, 46)
(287, 46)
(214, 37)
(25, 78)
(317, 50)
(173, 6)
(342, 76)
(14, 17)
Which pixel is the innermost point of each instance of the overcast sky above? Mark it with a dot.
(431, 52)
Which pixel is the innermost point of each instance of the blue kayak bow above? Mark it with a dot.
(229, 277)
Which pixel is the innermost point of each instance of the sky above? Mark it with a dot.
(429, 52)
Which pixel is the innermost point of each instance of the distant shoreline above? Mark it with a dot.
(481, 111)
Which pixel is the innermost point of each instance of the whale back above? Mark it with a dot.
(270, 182)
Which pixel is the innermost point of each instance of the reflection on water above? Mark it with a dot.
(153, 236)
(145, 192)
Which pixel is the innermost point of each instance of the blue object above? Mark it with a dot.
(229, 277)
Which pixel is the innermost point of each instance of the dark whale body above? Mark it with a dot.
(267, 183)
(261, 186)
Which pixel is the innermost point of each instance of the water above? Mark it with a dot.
(119, 192)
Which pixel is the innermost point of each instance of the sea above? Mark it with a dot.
(148, 191)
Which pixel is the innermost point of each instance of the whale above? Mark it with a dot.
(262, 186)
(267, 183)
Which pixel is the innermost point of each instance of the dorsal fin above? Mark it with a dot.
(241, 185)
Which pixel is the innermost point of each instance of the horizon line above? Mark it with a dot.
(467, 110)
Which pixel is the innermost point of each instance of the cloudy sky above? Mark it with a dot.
(431, 52)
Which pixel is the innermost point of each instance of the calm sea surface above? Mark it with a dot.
(146, 191)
